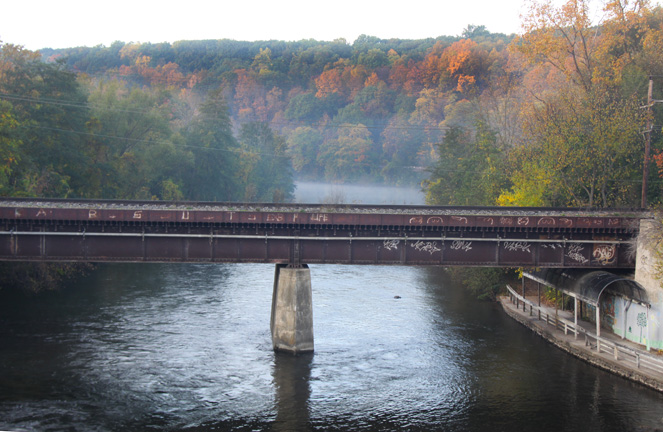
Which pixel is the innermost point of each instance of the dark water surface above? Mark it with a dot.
(187, 347)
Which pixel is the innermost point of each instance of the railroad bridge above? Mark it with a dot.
(294, 235)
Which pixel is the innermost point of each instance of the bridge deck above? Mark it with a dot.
(68, 230)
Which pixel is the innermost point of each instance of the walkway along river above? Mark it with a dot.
(187, 347)
(608, 351)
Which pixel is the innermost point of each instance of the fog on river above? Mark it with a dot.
(326, 193)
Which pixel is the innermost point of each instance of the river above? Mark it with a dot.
(311, 192)
(187, 347)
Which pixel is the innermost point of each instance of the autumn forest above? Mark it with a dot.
(555, 116)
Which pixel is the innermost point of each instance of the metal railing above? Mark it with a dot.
(602, 345)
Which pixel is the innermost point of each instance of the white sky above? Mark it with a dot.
(39, 24)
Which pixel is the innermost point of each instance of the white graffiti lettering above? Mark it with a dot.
(566, 222)
(416, 220)
(460, 219)
(275, 217)
(575, 253)
(463, 245)
(319, 217)
(391, 244)
(488, 220)
(547, 221)
(430, 246)
(605, 254)
(523, 220)
(506, 221)
(517, 246)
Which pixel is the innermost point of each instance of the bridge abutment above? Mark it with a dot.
(292, 309)
(648, 275)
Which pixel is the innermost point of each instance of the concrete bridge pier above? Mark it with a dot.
(292, 309)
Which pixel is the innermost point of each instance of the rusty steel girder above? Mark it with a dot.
(122, 232)
(251, 244)
(321, 217)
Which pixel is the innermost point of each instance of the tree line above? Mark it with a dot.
(567, 124)
(550, 117)
(67, 135)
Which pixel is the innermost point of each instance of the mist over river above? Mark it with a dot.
(187, 347)
(318, 193)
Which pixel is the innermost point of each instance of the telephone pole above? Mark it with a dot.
(650, 126)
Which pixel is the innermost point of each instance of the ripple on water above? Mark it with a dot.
(152, 347)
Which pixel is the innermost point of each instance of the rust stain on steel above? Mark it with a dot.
(587, 222)
(143, 213)
(348, 219)
(614, 222)
(177, 247)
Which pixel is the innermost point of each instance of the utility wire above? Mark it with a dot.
(144, 141)
(238, 150)
(384, 126)
(252, 153)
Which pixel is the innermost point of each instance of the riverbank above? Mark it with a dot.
(609, 352)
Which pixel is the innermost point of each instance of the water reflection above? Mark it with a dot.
(292, 387)
(168, 347)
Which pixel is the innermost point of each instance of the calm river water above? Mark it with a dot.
(187, 347)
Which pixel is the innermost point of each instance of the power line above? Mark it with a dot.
(253, 153)
(48, 101)
(144, 141)
(345, 125)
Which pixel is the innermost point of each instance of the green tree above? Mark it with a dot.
(348, 155)
(10, 146)
(304, 107)
(588, 145)
(266, 166)
(214, 168)
(50, 106)
(402, 150)
(373, 58)
(303, 145)
(469, 170)
(131, 133)
(582, 124)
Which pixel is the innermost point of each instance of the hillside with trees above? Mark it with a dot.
(550, 117)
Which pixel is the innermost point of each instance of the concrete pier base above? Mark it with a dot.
(292, 310)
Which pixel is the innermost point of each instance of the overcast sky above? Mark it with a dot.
(67, 23)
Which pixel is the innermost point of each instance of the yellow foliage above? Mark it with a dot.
(529, 188)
